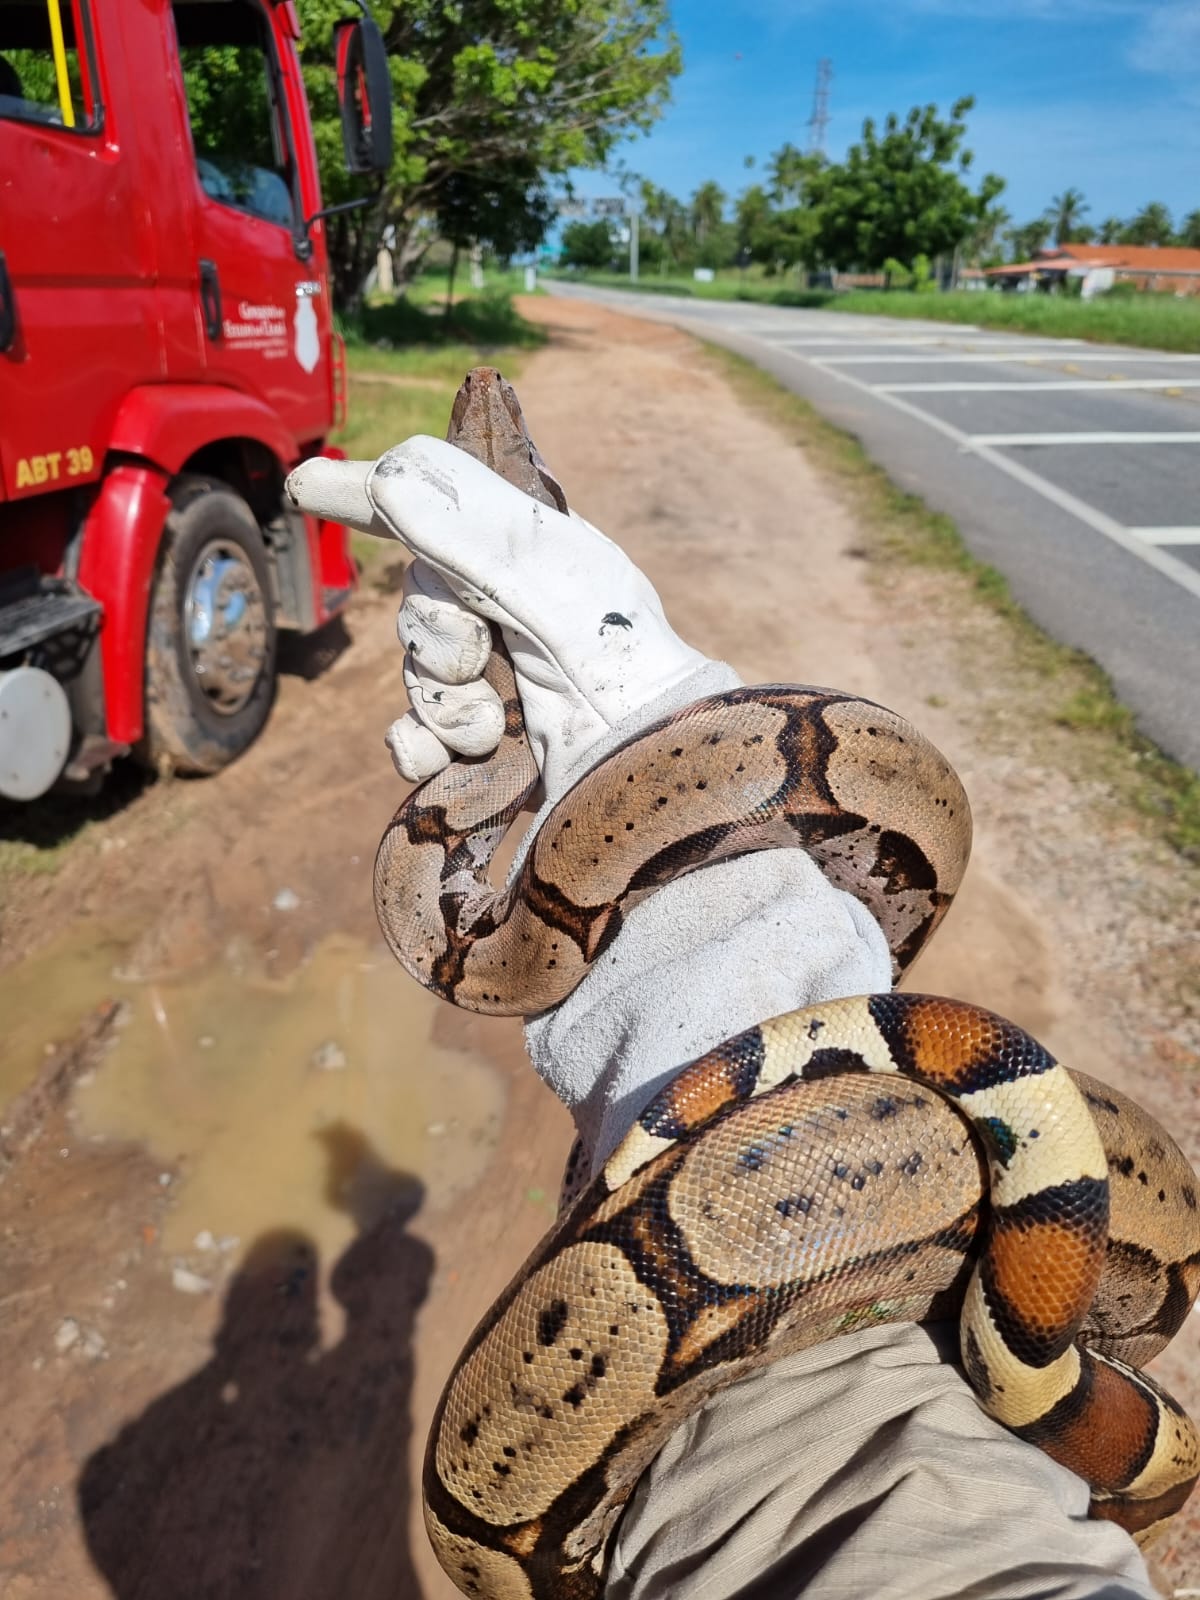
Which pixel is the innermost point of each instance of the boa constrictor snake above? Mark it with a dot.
(775, 1194)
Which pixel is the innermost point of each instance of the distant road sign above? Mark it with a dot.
(610, 207)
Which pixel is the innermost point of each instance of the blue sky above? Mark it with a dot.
(1100, 94)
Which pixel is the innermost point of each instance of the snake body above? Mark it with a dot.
(761, 1205)
(869, 798)
(752, 1212)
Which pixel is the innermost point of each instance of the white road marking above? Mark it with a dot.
(1005, 441)
(1050, 387)
(1170, 566)
(1166, 357)
(1167, 535)
(856, 341)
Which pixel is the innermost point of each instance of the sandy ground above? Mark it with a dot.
(255, 1191)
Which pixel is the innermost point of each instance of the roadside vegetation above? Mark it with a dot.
(1077, 700)
(900, 217)
(1151, 321)
(901, 207)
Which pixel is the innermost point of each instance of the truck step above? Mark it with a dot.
(34, 608)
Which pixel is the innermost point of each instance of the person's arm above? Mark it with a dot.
(864, 1467)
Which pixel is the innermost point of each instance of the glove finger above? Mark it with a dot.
(466, 717)
(451, 643)
(416, 752)
(337, 491)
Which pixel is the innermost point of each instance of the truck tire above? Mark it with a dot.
(210, 634)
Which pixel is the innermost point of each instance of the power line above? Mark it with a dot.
(819, 120)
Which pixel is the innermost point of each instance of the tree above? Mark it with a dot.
(666, 225)
(510, 211)
(1066, 214)
(754, 225)
(1189, 230)
(1152, 225)
(589, 245)
(479, 85)
(1029, 238)
(789, 172)
(983, 245)
(900, 193)
(708, 210)
(1110, 230)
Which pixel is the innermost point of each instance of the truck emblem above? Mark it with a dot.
(307, 343)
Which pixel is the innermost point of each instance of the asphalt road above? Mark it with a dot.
(1074, 468)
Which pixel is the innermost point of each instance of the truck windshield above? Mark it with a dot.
(47, 65)
(236, 111)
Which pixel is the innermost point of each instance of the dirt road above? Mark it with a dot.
(256, 1189)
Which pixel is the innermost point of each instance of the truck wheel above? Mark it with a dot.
(210, 636)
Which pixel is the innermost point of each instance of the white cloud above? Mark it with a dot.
(782, 13)
(1168, 40)
(1028, 10)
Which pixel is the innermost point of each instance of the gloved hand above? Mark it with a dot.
(595, 661)
(585, 629)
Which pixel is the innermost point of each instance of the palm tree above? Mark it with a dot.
(1066, 213)
(668, 217)
(1111, 230)
(1152, 225)
(708, 210)
(789, 171)
(1027, 240)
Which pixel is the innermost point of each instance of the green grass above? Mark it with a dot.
(406, 361)
(1146, 321)
(732, 286)
(1076, 696)
(412, 336)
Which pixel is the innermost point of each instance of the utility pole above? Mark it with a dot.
(819, 120)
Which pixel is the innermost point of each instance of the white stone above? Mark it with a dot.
(329, 1057)
(66, 1334)
(189, 1282)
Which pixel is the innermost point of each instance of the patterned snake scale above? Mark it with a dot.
(776, 1193)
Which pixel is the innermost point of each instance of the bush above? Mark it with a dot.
(589, 245)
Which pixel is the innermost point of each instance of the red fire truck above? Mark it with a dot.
(167, 355)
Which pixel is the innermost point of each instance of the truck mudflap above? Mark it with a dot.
(116, 567)
(335, 568)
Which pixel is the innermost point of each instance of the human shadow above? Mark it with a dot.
(279, 1471)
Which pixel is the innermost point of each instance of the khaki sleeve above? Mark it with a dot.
(864, 1470)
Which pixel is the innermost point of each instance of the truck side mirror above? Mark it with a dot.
(364, 95)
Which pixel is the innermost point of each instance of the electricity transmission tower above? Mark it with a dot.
(819, 120)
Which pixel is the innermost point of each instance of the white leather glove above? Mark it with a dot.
(584, 627)
(595, 661)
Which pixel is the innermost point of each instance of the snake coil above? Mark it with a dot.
(777, 1192)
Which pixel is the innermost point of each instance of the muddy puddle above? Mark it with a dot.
(271, 1102)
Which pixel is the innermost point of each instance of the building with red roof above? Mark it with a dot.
(1166, 268)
